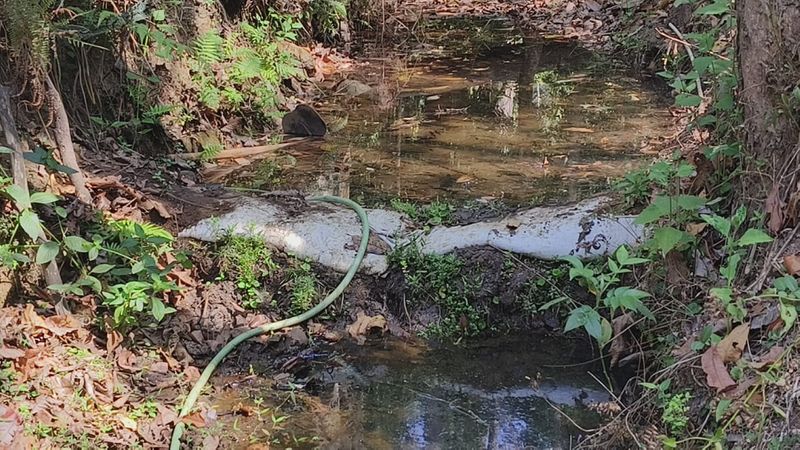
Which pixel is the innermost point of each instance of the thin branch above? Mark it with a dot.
(688, 48)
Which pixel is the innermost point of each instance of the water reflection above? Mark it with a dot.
(464, 398)
(532, 119)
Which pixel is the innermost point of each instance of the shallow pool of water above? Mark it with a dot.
(514, 117)
(500, 393)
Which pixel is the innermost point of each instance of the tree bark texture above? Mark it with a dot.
(63, 135)
(18, 171)
(52, 274)
(769, 63)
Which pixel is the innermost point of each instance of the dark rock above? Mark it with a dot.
(304, 121)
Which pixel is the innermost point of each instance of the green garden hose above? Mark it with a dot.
(188, 404)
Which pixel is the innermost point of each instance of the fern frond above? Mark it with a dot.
(158, 111)
(211, 145)
(208, 48)
(129, 229)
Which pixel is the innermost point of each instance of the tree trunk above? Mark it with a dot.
(64, 141)
(18, 171)
(769, 63)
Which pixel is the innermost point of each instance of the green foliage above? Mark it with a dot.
(208, 48)
(603, 282)
(253, 61)
(211, 146)
(438, 279)
(120, 263)
(146, 410)
(247, 261)
(326, 15)
(408, 208)
(709, 71)
(674, 407)
(303, 288)
(734, 248)
(435, 213)
(544, 291)
(636, 186)
(28, 31)
(153, 32)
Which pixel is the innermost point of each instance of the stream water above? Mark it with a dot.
(475, 109)
(499, 393)
(463, 111)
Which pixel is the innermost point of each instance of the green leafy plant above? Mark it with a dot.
(247, 261)
(636, 186)
(303, 288)
(734, 247)
(438, 279)
(674, 407)
(435, 213)
(326, 16)
(120, 263)
(123, 263)
(603, 282)
(253, 60)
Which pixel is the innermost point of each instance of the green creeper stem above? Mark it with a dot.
(194, 394)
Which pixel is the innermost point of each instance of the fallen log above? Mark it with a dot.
(240, 152)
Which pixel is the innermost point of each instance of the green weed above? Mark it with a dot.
(302, 287)
(254, 63)
(437, 279)
(326, 16)
(120, 263)
(674, 407)
(146, 410)
(603, 281)
(435, 213)
(247, 261)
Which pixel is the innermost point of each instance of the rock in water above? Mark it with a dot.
(304, 121)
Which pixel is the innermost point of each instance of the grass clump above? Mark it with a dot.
(435, 213)
(247, 261)
(438, 279)
(302, 288)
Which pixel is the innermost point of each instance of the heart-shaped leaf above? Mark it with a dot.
(47, 252)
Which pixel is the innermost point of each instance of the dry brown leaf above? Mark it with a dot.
(767, 360)
(731, 347)
(365, 325)
(11, 353)
(211, 443)
(192, 373)
(684, 349)
(620, 344)
(716, 374)
(774, 207)
(196, 419)
(10, 426)
(465, 179)
(792, 264)
(126, 422)
(743, 387)
(114, 339)
(695, 228)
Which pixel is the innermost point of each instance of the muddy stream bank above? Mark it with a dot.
(504, 118)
